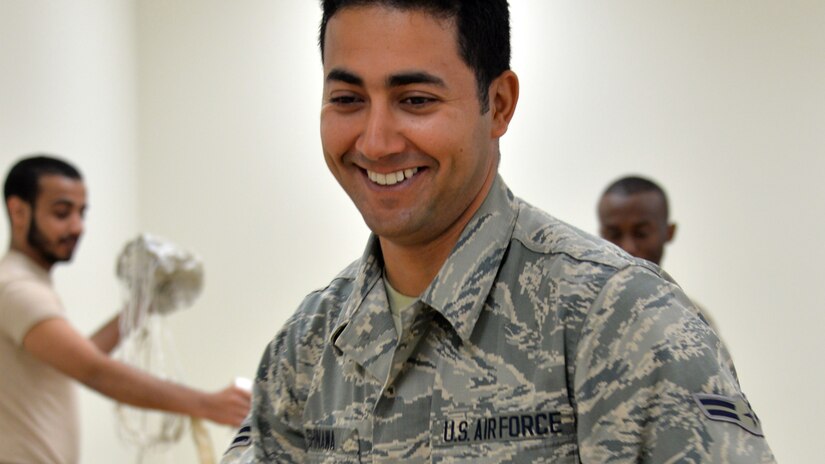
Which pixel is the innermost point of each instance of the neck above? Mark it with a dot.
(32, 254)
(411, 268)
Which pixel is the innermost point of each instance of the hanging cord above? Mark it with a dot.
(158, 278)
(203, 443)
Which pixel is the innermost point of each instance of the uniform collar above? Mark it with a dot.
(458, 291)
(461, 287)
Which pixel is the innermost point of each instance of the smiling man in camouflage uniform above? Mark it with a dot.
(475, 328)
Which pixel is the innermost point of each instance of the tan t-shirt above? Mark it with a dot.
(399, 303)
(38, 409)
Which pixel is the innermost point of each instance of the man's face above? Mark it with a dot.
(57, 218)
(636, 223)
(401, 123)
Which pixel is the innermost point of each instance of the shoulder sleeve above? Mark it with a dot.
(653, 383)
(23, 304)
(273, 431)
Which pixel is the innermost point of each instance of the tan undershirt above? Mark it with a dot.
(398, 303)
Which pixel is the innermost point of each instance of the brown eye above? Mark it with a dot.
(611, 234)
(418, 101)
(641, 234)
(345, 100)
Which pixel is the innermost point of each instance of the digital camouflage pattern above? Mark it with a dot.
(535, 343)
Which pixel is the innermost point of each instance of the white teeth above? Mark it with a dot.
(391, 178)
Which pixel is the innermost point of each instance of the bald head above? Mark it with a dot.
(633, 214)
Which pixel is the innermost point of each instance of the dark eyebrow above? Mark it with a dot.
(395, 80)
(416, 77)
(345, 77)
(65, 202)
(62, 202)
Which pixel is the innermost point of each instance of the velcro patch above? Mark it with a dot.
(735, 410)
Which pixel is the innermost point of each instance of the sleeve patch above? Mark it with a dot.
(243, 438)
(735, 410)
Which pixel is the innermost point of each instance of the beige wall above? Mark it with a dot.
(723, 102)
(67, 87)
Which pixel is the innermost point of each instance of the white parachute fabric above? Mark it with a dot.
(158, 277)
(171, 276)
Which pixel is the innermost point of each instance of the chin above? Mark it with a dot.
(63, 258)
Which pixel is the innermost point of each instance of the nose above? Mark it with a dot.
(629, 245)
(76, 224)
(380, 136)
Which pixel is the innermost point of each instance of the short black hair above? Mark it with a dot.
(23, 179)
(630, 185)
(483, 32)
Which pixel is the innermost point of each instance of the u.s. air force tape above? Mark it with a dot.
(735, 410)
(475, 428)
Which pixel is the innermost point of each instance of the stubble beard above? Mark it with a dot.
(41, 245)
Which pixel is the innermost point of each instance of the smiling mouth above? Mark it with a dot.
(391, 178)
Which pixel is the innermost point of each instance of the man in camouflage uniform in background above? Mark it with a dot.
(475, 327)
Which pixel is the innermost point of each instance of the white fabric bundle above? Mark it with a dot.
(158, 269)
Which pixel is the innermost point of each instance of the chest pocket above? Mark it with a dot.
(332, 445)
(512, 437)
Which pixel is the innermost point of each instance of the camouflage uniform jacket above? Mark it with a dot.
(535, 343)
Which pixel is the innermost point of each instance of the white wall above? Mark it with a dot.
(231, 169)
(67, 87)
(723, 102)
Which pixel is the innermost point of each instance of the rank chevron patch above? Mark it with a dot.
(735, 410)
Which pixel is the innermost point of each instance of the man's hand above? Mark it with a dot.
(228, 406)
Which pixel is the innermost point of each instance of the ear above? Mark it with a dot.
(671, 231)
(19, 212)
(503, 99)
